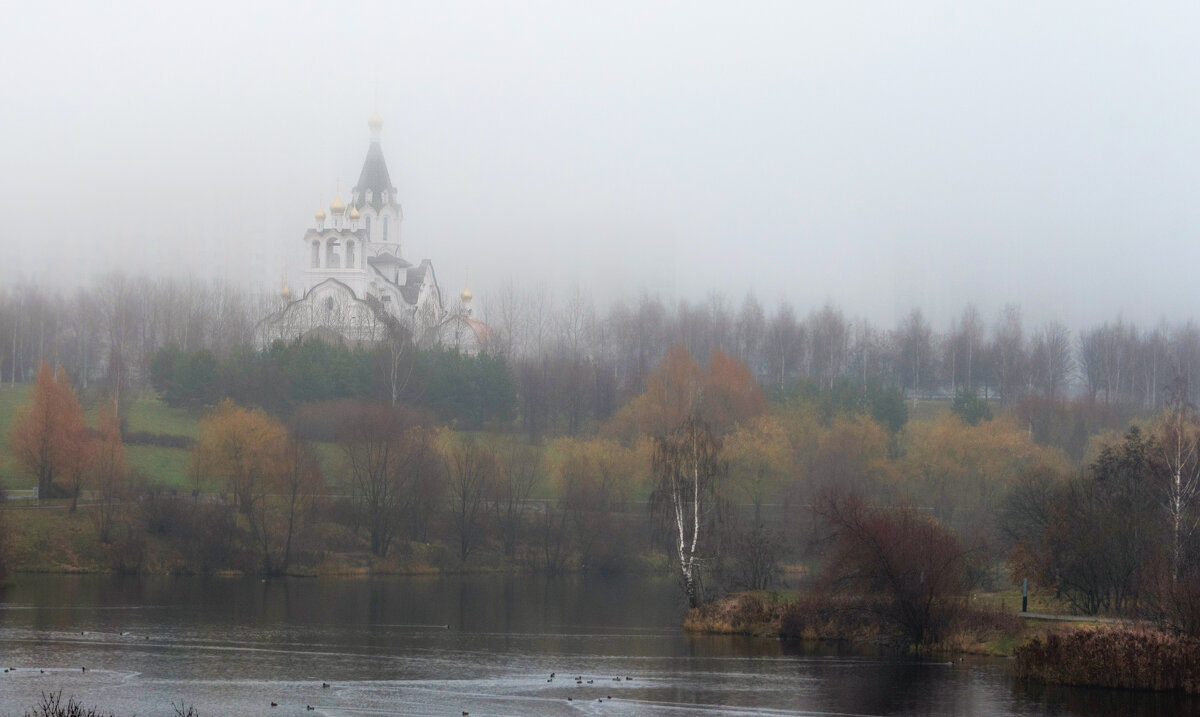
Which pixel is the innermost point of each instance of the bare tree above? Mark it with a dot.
(469, 469)
(517, 474)
(1050, 362)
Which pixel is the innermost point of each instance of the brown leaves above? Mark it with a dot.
(50, 436)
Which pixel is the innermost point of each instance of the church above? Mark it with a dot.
(356, 286)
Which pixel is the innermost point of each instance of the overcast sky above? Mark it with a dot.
(878, 155)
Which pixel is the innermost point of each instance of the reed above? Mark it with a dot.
(1124, 657)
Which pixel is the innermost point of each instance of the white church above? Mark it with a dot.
(357, 287)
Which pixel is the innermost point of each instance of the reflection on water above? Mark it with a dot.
(481, 644)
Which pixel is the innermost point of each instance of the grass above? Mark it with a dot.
(1040, 601)
(12, 398)
(162, 466)
(148, 413)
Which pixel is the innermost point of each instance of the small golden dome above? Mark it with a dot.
(466, 295)
(338, 206)
(286, 292)
(354, 212)
(375, 122)
(320, 215)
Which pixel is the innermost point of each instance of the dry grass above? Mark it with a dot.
(752, 613)
(1122, 657)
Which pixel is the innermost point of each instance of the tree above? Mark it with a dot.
(248, 451)
(49, 436)
(593, 480)
(299, 484)
(688, 469)
(969, 407)
(240, 447)
(518, 472)
(913, 564)
(470, 468)
(1179, 448)
(760, 457)
(385, 450)
(109, 472)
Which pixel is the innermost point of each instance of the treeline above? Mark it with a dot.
(573, 364)
(459, 390)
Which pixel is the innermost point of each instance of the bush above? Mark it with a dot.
(910, 570)
(1127, 658)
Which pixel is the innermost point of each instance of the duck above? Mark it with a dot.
(274, 704)
(324, 685)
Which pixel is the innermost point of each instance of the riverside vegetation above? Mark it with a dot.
(892, 475)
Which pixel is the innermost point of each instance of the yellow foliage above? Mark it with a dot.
(952, 466)
(760, 459)
(244, 447)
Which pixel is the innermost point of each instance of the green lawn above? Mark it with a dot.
(12, 398)
(148, 413)
(161, 466)
(167, 466)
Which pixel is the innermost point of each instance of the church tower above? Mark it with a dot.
(356, 283)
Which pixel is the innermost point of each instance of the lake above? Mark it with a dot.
(481, 644)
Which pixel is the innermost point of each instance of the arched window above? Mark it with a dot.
(331, 257)
(385, 228)
(350, 255)
(368, 225)
(316, 255)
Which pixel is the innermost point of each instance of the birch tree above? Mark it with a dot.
(688, 469)
(1179, 445)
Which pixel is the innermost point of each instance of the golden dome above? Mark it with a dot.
(286, 292)
(354, 212)
(338, 206)
(320, 215)
(465, 295)
(375, 122)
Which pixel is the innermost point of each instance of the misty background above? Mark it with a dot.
(880, 156)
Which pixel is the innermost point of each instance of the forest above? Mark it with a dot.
(895, 469)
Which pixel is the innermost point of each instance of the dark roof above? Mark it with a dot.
(386, 258)
(374, 176)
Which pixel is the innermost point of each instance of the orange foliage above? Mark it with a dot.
(49, 436)
(723, 396)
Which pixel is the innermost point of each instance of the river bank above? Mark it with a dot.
(984, 628)
(46, 538)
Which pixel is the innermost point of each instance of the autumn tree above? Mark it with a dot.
(760, 459)
(688, 472)
(724, 395)
(49, 436)
(247, 451)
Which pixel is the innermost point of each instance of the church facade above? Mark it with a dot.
(356, 286)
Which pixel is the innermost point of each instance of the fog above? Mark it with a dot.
(881, 156)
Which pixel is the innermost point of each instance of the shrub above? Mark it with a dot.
(52, 706)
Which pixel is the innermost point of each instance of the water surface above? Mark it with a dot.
(486, 645)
